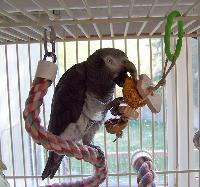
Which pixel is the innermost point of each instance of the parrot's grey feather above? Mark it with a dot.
(52, 165)
(66, 108)
(68, 99)
(91, 133)
(99, 81)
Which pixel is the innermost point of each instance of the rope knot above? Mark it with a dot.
(145, 172)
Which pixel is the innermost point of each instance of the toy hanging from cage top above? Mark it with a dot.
(141, 92)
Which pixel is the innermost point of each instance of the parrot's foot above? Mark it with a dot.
(113, 106)
(100, 152)
(114, 111)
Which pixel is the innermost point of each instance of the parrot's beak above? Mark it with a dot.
(120, 79)
(128, 66)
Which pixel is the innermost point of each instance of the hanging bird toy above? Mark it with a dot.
(141, 92)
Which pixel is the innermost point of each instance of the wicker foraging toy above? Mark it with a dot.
(131, 95)
(139, 93)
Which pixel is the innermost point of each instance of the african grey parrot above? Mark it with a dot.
(82, 98)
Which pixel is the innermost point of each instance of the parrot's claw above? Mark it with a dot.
(114, 111)
(100, 152)
(114, 105)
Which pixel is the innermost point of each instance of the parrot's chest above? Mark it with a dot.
(93, 108)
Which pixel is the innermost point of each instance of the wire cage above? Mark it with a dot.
(83, 26)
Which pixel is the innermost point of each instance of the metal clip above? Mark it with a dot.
(52, 41)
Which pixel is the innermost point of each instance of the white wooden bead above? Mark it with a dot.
(46, 70)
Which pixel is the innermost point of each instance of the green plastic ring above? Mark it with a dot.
(168, 29)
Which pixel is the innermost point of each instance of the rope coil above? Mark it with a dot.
(57, 144)
(145, 172)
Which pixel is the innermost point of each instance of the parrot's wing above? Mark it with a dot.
(67, 105)
(68, 99)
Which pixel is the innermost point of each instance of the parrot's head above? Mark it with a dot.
(118, 65)
(107, 67)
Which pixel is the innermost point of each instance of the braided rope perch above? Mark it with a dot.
(57, 144)
(146, 174)
(143, 166)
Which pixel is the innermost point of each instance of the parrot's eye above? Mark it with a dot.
(110, 61)
(124, 62)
